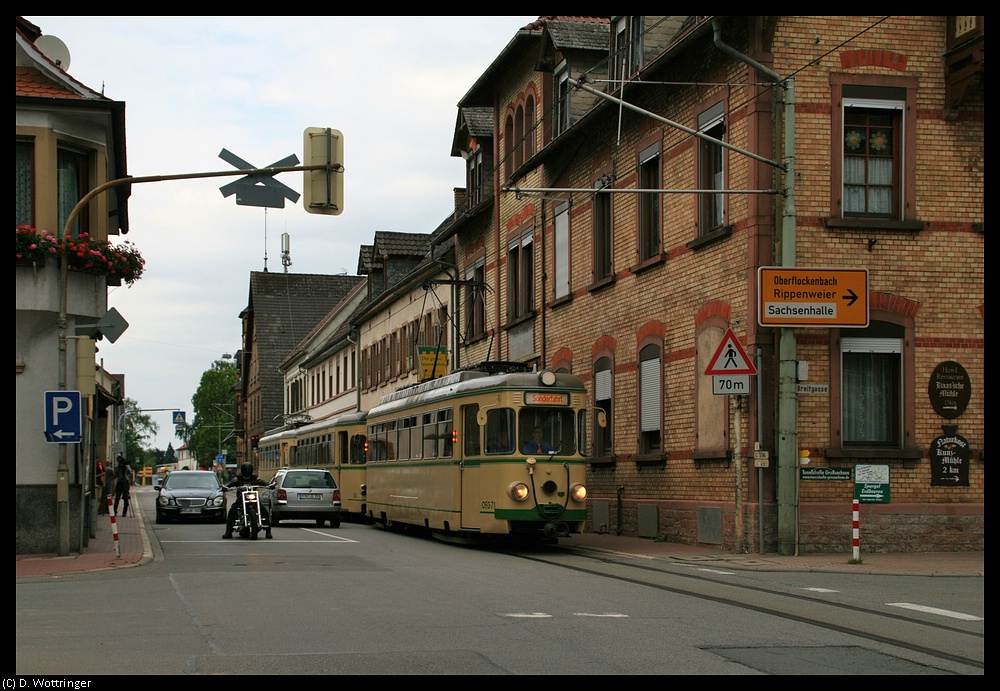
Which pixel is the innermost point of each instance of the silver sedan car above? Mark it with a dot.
(303, 494)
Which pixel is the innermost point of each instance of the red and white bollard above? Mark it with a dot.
(114, 528)
(856, 552)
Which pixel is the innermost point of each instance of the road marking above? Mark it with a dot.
(935, 610)
(723, 573)
(613, 615)
(820, 590)
(528, 615)
(334, 537)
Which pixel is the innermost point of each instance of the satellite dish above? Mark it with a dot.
(55, 50)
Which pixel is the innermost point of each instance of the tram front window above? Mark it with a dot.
(546, 431)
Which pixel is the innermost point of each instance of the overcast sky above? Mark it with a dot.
(193, 86)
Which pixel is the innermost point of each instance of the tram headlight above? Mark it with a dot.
(578, 492)
(519, 491)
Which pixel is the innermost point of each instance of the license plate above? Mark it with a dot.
(190, 510)
(311, 497)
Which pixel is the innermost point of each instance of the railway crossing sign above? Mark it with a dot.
(259, 189)
(795, 297)
(63, 417)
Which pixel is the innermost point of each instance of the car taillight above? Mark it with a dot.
(282, 495)
(336, 495)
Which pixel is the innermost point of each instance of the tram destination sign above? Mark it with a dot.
(819, 298)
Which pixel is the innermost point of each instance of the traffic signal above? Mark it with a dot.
(254, 441)
(323, 189)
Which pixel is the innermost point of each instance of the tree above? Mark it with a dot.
(211, 431)
(137, 429)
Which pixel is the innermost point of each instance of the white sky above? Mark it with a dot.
(193, 86)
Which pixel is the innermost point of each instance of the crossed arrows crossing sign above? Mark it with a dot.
(259, 189)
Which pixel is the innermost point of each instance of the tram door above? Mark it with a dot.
(470, 444)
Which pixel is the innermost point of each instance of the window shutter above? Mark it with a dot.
(650, 374)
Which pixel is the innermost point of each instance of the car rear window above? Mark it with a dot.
(318, 479)
(199, 481)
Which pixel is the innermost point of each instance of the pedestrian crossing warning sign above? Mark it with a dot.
(730, 358)
(179, 417)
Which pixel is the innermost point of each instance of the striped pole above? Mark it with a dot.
(114, 528)
(857, 532)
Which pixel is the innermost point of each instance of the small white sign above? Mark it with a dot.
(731, 385)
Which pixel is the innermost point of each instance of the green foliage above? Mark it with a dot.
(137, 429)
(211, 431)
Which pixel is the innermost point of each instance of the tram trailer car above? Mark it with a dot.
(455, 455)
(338, 445)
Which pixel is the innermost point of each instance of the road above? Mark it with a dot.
(361, 600)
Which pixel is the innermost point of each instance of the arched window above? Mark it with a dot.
(508, 146)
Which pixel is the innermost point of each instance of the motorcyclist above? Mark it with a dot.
(246, 477)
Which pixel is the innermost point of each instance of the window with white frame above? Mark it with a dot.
(711, 169)
(602, 232)
(873, 142)
(563, 117)
(649, 203)
(603, 437)
(474, 177)
(520, 276)
(561, 260)
(73, 182)
(872, 153)
(871, 373)
(626, 47)
(475, 301)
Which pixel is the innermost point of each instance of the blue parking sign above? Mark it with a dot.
(63, 417)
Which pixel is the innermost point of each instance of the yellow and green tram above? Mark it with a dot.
(461, 456)
(275, 450)
(338, 444)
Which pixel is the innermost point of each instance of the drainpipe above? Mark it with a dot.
(787, 441)
(351, 331)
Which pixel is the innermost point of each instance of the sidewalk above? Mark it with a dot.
(135, 550)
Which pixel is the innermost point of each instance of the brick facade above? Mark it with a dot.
(925, 271)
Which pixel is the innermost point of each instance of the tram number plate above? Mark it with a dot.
(315, 497)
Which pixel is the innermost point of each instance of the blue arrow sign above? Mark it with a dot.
(63, 417)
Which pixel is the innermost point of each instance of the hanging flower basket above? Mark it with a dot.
(118, 262)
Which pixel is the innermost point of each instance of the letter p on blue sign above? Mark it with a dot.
(63, 417)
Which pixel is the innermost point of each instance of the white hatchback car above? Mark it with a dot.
(303, 494)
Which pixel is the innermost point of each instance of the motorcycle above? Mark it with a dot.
(250, 516)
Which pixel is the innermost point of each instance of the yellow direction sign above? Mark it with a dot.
(797, 297)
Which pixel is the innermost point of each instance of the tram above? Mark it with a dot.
(458, 455)
(275, 450)
(337, 444)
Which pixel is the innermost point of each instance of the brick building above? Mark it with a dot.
(645, 169)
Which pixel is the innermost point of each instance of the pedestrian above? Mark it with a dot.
(101, 488)
(123, 480)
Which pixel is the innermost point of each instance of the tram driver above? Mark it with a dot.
(537, 443)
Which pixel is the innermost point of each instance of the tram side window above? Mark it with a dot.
(500, 428)
(444, 428)
(382, 441)
(357, 448)
(428, 430)
(470, 430)
(404, 438)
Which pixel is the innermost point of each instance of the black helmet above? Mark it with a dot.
(246, 470)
